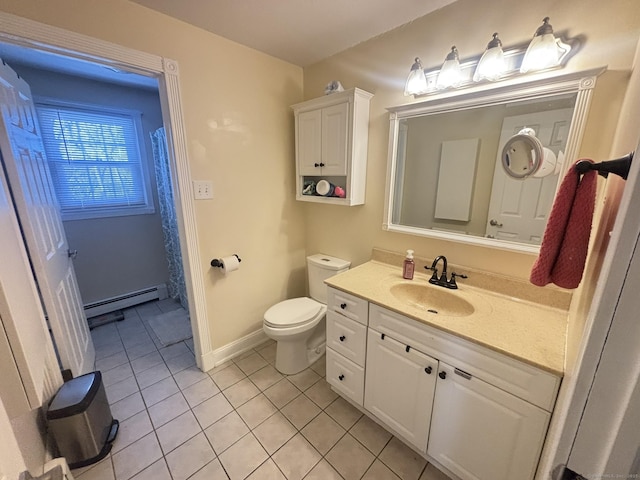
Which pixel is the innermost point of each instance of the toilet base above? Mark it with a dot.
(291, 359)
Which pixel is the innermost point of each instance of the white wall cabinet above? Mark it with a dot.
(399, 387)
(476, 413)
(331, 135)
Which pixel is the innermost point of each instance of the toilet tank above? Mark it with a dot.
(319, 268)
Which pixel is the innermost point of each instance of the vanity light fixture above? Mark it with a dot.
(417, 81)
(450, 74)
(492, 64)
(545, 50)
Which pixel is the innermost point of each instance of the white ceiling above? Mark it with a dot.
(301, 32)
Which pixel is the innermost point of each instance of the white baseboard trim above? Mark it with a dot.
(233, 349)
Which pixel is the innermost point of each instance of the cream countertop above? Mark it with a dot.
(524, 330)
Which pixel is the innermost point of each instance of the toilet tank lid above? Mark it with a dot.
(328, 262)
(293, 312)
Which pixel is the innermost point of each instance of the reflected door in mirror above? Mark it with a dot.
(519, 208)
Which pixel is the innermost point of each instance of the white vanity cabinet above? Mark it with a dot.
(347, 318)
(399, 387)
(477, 413)
(490, 412)
(481, 432)
(331, 136)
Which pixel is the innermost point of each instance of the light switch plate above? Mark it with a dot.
(202, 189)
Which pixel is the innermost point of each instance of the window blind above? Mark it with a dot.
(94, 158)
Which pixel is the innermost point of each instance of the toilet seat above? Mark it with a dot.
(294, 312)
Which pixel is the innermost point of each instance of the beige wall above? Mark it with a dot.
(610, 32)
(240, 135)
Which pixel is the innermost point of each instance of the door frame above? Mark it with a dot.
(31, 34)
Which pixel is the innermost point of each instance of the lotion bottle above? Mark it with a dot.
(409, 266)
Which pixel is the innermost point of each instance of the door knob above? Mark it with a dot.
(72, 253)
(343, 306)
(340, 377)
(342, 338)
(494, 223)
(428, 370)
(442, 375)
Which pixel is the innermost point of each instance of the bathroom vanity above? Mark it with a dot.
(466, 377)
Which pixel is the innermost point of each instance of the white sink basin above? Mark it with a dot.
(433, 299)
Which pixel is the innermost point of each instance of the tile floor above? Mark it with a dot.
(243, 419)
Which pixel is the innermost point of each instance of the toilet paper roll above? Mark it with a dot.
(230, 264)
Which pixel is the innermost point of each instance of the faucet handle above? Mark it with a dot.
(452, 283)
(434, 277)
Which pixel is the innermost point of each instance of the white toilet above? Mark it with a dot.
(298, 324)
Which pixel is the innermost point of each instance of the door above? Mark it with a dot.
(309, 143)
(519, 209)
(480, 432)
(335, 139)
(399, 387)
(28, 175)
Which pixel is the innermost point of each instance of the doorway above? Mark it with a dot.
(37, 36)
(122, 256)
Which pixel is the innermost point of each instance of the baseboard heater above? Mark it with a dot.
(158, 292)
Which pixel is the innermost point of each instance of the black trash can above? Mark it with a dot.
(80, 420)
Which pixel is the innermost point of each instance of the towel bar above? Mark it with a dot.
(619, 166)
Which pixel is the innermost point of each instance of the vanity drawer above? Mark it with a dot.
(347, 337)
(520, 379)
(345, 376)
(348, 305)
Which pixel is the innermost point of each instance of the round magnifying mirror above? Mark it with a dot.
(522, 154)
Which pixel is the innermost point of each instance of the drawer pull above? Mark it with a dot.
(343, 306)
(342, 338)
(442, 375)
(382, 336)
(407, 349)
(340, 377)
(428, 370)
(462, 373)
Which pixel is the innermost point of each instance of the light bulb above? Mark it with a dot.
(450, 74)
(417, 81)
(492, 64)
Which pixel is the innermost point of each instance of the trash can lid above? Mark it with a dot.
(74, 396)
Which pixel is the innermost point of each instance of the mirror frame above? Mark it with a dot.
(581, 83)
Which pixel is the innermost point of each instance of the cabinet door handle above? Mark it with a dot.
(442, 375)
(342, 338)
(462, 373)
(428, 370)
(340, 377)
(316, 165)
(343, 306)
(321, 164)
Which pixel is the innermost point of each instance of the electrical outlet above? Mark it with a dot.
(202, 189)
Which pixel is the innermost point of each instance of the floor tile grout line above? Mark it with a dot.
(251, 430)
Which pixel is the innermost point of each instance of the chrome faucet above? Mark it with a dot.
(443, 281)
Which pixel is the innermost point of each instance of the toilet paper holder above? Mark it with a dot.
(216, 262)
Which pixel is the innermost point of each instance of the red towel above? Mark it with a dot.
(565, 243)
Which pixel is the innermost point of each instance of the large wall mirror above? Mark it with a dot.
(445, 175)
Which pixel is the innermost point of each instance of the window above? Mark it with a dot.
(95, 161)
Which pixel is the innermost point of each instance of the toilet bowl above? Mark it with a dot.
(298, 325)
(292, 324)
